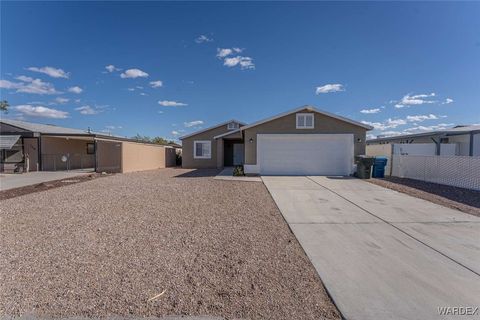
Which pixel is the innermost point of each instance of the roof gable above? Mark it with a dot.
(307, 108)
(211, 128)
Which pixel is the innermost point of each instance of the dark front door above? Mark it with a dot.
(228, 153)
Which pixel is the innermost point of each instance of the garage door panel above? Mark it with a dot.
(305, 154)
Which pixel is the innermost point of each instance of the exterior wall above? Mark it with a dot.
(476, 145)
(170, 157)
(138, 157)
(54, 148)
(30, 148)
(187, 149)
(287, 125)
(381, 150)
(463, 142)
(109, 156)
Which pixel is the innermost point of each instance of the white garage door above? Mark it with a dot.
(305, 154)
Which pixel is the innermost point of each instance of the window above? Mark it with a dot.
(232, 126)
(90, 148)
(305, 120)
(202, 149)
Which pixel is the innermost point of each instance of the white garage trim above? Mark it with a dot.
(305, 154)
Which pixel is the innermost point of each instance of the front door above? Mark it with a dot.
(238, 154)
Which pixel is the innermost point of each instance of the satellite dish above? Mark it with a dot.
(64, 158)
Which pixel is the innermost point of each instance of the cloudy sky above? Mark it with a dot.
(167, 69)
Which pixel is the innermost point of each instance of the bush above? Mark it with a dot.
(238, 171)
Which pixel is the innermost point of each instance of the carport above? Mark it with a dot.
(29, 147)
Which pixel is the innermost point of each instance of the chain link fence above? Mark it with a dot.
(459, 171)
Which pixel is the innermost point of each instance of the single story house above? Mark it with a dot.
(463, 140)
(298, 142)
(26, 146)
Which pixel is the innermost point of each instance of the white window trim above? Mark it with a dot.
(233, 127)
(195, 149)
(305, 114)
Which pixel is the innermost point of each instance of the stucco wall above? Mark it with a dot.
(187, 149)
(109, 156)
(287, 125)
(140, 156)
(54, 148)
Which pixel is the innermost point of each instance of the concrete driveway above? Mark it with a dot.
(14, 180)
(382, 254)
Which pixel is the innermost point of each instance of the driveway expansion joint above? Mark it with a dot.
(399, 229)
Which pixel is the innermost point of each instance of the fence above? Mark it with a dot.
(62, 162)
(459, 171)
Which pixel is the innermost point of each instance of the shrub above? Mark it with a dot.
(238, 171)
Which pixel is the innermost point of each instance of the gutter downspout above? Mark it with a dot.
(470, 152)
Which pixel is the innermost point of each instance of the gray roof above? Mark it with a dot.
(42, 128)
(464, 129)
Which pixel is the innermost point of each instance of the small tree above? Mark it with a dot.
(4, 106)
(159, 140)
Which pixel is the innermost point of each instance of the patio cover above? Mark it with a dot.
(7, 142)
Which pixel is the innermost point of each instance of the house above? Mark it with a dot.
(26, 146)
(298, 142)
(463, 140)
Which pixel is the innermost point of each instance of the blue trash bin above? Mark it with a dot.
(379, 165)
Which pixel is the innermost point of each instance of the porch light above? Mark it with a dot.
(359, 140)
(251, 140)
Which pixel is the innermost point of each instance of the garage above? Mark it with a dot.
(305, 154)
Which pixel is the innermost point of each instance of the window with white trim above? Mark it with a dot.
(232, 126)
(202, 149)
(305, 121)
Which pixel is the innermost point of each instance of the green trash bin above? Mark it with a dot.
(364, 166)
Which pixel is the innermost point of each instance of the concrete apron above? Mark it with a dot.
(382, 254)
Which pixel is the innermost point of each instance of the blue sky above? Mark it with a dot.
(158, 68)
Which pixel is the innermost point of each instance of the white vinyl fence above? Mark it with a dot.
(459, 171)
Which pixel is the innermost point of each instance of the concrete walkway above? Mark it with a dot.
(382, 254)
(10, 181)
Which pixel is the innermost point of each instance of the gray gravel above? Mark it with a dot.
(107, 246)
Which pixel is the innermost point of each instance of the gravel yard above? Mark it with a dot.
(465, 200)
(111, 246)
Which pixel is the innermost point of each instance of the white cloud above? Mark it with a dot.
(448, 101)
(24, 78)
(203, 38)
(112, 68)
(51, 71)
(168, 103)
(243, 62)
(175, 133)
(41, 111)
(420, 118)
(61, 100)
(131, 89)
(134, 73)
(368, 111)
(413, 100)
(156, 84)
(87, 110)
(334, 87)
(387, 124)
(193, 123)
(113, 127)
(440, 126)
(29, 85)
(75, 89)
(223, 52)
(160, 111)
(143, 94)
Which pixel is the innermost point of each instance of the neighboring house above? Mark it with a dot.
(459, 140)
(26, 146)
(302, 141)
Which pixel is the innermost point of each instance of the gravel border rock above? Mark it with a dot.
(108, 246)
(461, 199)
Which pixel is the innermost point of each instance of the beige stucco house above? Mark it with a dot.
(26, 146)
(301, 141)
